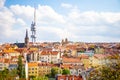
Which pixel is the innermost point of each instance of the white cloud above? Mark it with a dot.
(25, 12)
(48, 14)
(65, 5)
(75, 25)
(2, 3)
(6, 22)
(111, 17)
(21, 22)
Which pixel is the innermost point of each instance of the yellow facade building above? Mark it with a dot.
(44, 68)
(33, 69)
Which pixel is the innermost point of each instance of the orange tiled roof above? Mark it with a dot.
(69, 77)
(100, 56)
(71, 60)
(1, 60)
(33, 64)
(21, 50)
(71, 46)
(1, 53)
(6, 60)
(66, 66)
(9, 51)
(49, 52)
(44, 64)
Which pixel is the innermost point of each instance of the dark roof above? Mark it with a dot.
(20, 45)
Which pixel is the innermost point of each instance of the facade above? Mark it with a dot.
(39, 68)
(50, 56)
(74, 69)
(1, 64)
(44, 68)
(33, 69)
(4, 63)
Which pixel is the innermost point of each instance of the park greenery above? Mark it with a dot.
(110, 71)
(41, 78)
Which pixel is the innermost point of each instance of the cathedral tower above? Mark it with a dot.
(26, 39)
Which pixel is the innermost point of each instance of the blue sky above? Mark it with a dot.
(84, 5)
(77, 20)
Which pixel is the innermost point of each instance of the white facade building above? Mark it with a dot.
(49, 56)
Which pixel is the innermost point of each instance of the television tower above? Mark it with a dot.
(33, 27)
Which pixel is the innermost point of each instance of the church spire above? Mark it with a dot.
(26, 39)
(26, 34)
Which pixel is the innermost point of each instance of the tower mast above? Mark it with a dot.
(33, 28)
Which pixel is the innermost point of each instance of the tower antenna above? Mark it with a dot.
(33, 27)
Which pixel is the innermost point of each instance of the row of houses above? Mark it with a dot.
(54, 57)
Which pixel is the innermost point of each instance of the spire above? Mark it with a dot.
(26, 34)
(26, 39)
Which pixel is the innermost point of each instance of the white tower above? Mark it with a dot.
(33, 28)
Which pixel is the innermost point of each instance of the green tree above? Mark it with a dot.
(41, 78)
(4, 74)
(13, 72)
(110, 71)
(65, 71)
(20, 68)
(8, 74)
(55, 70)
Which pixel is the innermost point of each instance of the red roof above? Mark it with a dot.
(49, 52)
(101, 56)
(66, 66)
(69, 77)
(71, 60)
(71, 47)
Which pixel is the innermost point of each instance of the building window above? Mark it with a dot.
(79, 70)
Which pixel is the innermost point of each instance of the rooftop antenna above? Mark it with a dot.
(33, 27)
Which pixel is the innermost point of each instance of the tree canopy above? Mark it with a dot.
(20, 69)
(65, 71)
(110, 71)
(55, 70)
(41, 78)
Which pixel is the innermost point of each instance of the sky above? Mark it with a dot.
(77, 20)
